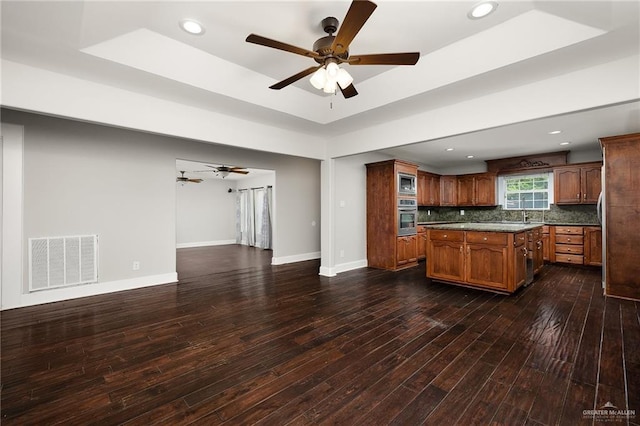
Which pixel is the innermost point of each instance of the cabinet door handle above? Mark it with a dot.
(578, 195)
(460, 249)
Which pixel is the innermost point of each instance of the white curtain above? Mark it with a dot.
(254, 217)
(265, 229)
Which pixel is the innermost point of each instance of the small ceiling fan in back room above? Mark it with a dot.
(183, 179)
(224, 171)
(331, 51)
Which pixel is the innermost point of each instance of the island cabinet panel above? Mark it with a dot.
(445, 260)
(519, 261)
(422, 242)
(546, 243)
(577, 184)
(487, 265)
(491, 260)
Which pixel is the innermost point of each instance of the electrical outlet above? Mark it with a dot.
(461, 212)
(428, 212)
(341, 253)
(136, 265)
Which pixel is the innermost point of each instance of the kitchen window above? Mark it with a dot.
(531, 192)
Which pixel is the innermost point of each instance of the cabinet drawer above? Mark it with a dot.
(569, 258)
(545, 229)
(569, 249)
(421, 228)
(487, 237)
(573, 230)
(519, 238)
(446, 235)
(569, 239)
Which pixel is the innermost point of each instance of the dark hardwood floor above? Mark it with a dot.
(279, 345)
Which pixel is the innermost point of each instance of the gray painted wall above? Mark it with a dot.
(82, 178)
(205, 213)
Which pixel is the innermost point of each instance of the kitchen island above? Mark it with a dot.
(499, 257)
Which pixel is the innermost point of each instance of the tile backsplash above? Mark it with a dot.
(579, 214)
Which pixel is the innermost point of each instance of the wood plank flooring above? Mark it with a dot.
(239, 341)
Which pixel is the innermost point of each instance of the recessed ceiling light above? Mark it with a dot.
(555, 132)
(192, 27)
(469, 156)
(482, 9)
(449, 149)
(565, 143)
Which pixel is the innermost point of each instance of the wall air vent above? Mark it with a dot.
(62, 261)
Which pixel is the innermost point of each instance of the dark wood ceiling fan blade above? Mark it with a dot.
(409, 58)
(349, 92)
(294, 78)
(243, 172)
(194, 180)
(263, 41)
(357, 15)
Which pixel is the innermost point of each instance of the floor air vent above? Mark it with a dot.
(62, 261)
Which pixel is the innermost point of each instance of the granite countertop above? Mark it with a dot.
(487, 226)
(513, 223)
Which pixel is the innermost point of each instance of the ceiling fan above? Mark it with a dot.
(224, 171)
(331, 51)
(185, 179)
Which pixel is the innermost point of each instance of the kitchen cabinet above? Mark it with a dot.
(448, 188)
(445, 254)
(428, 189)
(546, 244)
(422, 242)
(407, 250)
(621, 224)
(487, 260)
(495, 261)
(593, 245)
(477, 189)
(569, 244)
(577, 184)
(386, 249)
(535, 249)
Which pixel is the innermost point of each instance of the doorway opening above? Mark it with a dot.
(224, 221)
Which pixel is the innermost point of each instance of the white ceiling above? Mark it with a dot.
(138, 46)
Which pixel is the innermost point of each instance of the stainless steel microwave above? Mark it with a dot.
(406, 184)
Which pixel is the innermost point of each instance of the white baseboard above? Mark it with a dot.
(205, 243)
(295, 258)
(342, 267)
(67, 293)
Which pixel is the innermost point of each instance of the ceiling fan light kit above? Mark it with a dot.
(331, 51)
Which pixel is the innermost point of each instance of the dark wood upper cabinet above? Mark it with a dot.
(428, 189)
(477, 189)
(448, 189)
(577, 184)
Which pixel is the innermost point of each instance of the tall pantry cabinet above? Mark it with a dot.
(621, 215)
(385, 248)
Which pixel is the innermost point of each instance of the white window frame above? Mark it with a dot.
(502, 189)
